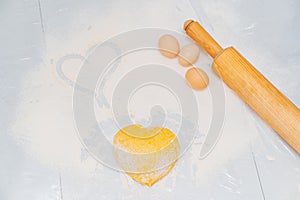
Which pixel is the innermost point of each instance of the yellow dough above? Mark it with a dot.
(146, 155)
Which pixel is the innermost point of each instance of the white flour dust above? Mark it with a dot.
(45, 128)
(44, 125)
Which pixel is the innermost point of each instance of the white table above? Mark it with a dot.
(267, 170)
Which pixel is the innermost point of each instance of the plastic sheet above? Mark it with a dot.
(42, 156)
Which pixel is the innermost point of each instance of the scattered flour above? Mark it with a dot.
(44, 125)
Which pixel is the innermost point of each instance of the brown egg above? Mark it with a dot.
(188, 55)
(168, 46)
(197, 78)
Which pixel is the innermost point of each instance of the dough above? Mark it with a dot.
(146, 155)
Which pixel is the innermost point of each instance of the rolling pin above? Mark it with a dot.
(251, 86)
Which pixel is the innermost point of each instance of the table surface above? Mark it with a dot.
(268, 170)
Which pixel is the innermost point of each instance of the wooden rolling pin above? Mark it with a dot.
(259, 93)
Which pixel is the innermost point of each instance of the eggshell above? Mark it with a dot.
(188, 55)
(197, 78)
(168, 46)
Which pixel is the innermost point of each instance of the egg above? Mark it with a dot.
(168, 46)
(188, 55)
(197, 78)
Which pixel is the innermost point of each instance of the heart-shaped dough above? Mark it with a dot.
(146, 155)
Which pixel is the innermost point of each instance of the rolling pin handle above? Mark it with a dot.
(202, 37)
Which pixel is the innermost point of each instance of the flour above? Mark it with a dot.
(44, 125)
